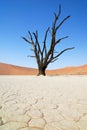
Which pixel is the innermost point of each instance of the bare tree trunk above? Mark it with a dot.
(41, 71)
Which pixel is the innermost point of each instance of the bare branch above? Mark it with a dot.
(30, 35)
(57, 16)
(46, 35)
(63, 52)
(31, 56)
(30, 42)
(54, 60)
(61, 39)
(59, 11)
(44, 46)
(62, 22)
(37, 42)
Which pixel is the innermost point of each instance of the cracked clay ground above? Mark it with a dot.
(43, 103)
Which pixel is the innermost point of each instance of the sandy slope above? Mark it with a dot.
(6, 69)
(43, 103)
(79, 70)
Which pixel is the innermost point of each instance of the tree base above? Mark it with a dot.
(41, 72)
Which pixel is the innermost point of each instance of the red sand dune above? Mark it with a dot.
(79, 70)
(7, 69)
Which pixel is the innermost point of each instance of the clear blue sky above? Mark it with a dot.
(19, 16)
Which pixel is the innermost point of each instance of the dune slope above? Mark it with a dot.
(7, 69)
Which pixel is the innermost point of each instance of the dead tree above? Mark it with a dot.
(43, 55)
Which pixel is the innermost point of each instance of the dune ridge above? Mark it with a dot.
(8, 69)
